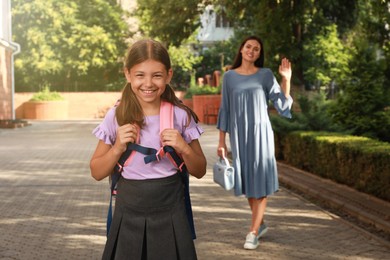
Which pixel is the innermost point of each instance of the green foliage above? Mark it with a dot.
(116, 85)
(359, 162)
(46, 95)
(374, 19)
(308, 32)
(216, 57)
(67, 42)
(160, 19)
(326, 57)
(202, 90)
(287, 26)
(314, 113)
(361, 107)
(172, 21)
(183, 59)
(314, 116)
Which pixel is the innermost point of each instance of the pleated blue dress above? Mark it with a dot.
(244, 115)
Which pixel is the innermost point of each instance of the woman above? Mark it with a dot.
(246, 91)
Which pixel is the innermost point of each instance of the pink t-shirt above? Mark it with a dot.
(149, 137)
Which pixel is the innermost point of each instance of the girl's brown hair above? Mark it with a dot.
(129, 110)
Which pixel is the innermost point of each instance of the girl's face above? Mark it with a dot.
(251, 51)
(148, 81)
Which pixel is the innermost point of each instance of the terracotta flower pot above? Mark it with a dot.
(46, 110)
(206, 107)
(188, 102)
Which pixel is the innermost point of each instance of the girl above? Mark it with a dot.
(149, 221)
(246, 90)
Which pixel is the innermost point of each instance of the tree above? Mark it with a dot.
(183, 60)
(361, 107)
(363, 104)
(286, 26)
(326, 58)
(67, 43)
(172, 21)
(216, 57)
(374, 24)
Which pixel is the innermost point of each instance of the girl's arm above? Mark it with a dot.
(191, 153)
(103, 160)
(106, 156)
(195, 160)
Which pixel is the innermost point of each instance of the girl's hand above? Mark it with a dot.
(125, 134)
(172, 137)
(285, 69)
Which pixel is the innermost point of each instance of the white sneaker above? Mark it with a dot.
(262, 230)
(251, 241)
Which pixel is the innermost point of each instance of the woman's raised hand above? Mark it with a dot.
(285, 69)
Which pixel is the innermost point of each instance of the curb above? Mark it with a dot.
(366, 208)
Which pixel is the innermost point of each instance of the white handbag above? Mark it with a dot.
(223, 173)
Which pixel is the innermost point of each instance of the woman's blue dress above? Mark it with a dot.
(244, 115)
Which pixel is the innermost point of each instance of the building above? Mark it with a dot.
(7, 51)
(215, 27)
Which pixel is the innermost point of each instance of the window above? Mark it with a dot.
(222, 21)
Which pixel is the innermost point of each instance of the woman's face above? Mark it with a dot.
(251, 51)
(148, 81)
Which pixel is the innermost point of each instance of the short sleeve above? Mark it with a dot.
(106, 130)
(191, 132)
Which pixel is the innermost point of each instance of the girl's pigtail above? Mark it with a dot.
(129, 110)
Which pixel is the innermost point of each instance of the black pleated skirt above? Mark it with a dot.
(150, 221)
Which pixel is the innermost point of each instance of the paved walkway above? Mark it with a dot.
(52, 209)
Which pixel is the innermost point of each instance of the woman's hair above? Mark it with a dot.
(238, 59)
(129, 109)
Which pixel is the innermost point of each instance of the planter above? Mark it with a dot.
(188, 102)
(46, 110)
(206, 107)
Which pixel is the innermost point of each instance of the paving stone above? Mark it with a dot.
(53, 209)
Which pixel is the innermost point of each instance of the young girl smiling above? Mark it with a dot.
(150, 219)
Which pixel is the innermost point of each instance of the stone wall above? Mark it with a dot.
(81, 105)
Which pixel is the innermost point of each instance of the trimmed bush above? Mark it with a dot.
(359, 162)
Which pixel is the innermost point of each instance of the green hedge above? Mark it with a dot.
(359, 162)
(46, 95)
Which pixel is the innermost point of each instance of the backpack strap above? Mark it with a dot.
(166, 115)
(186, 181)
(167, 121)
